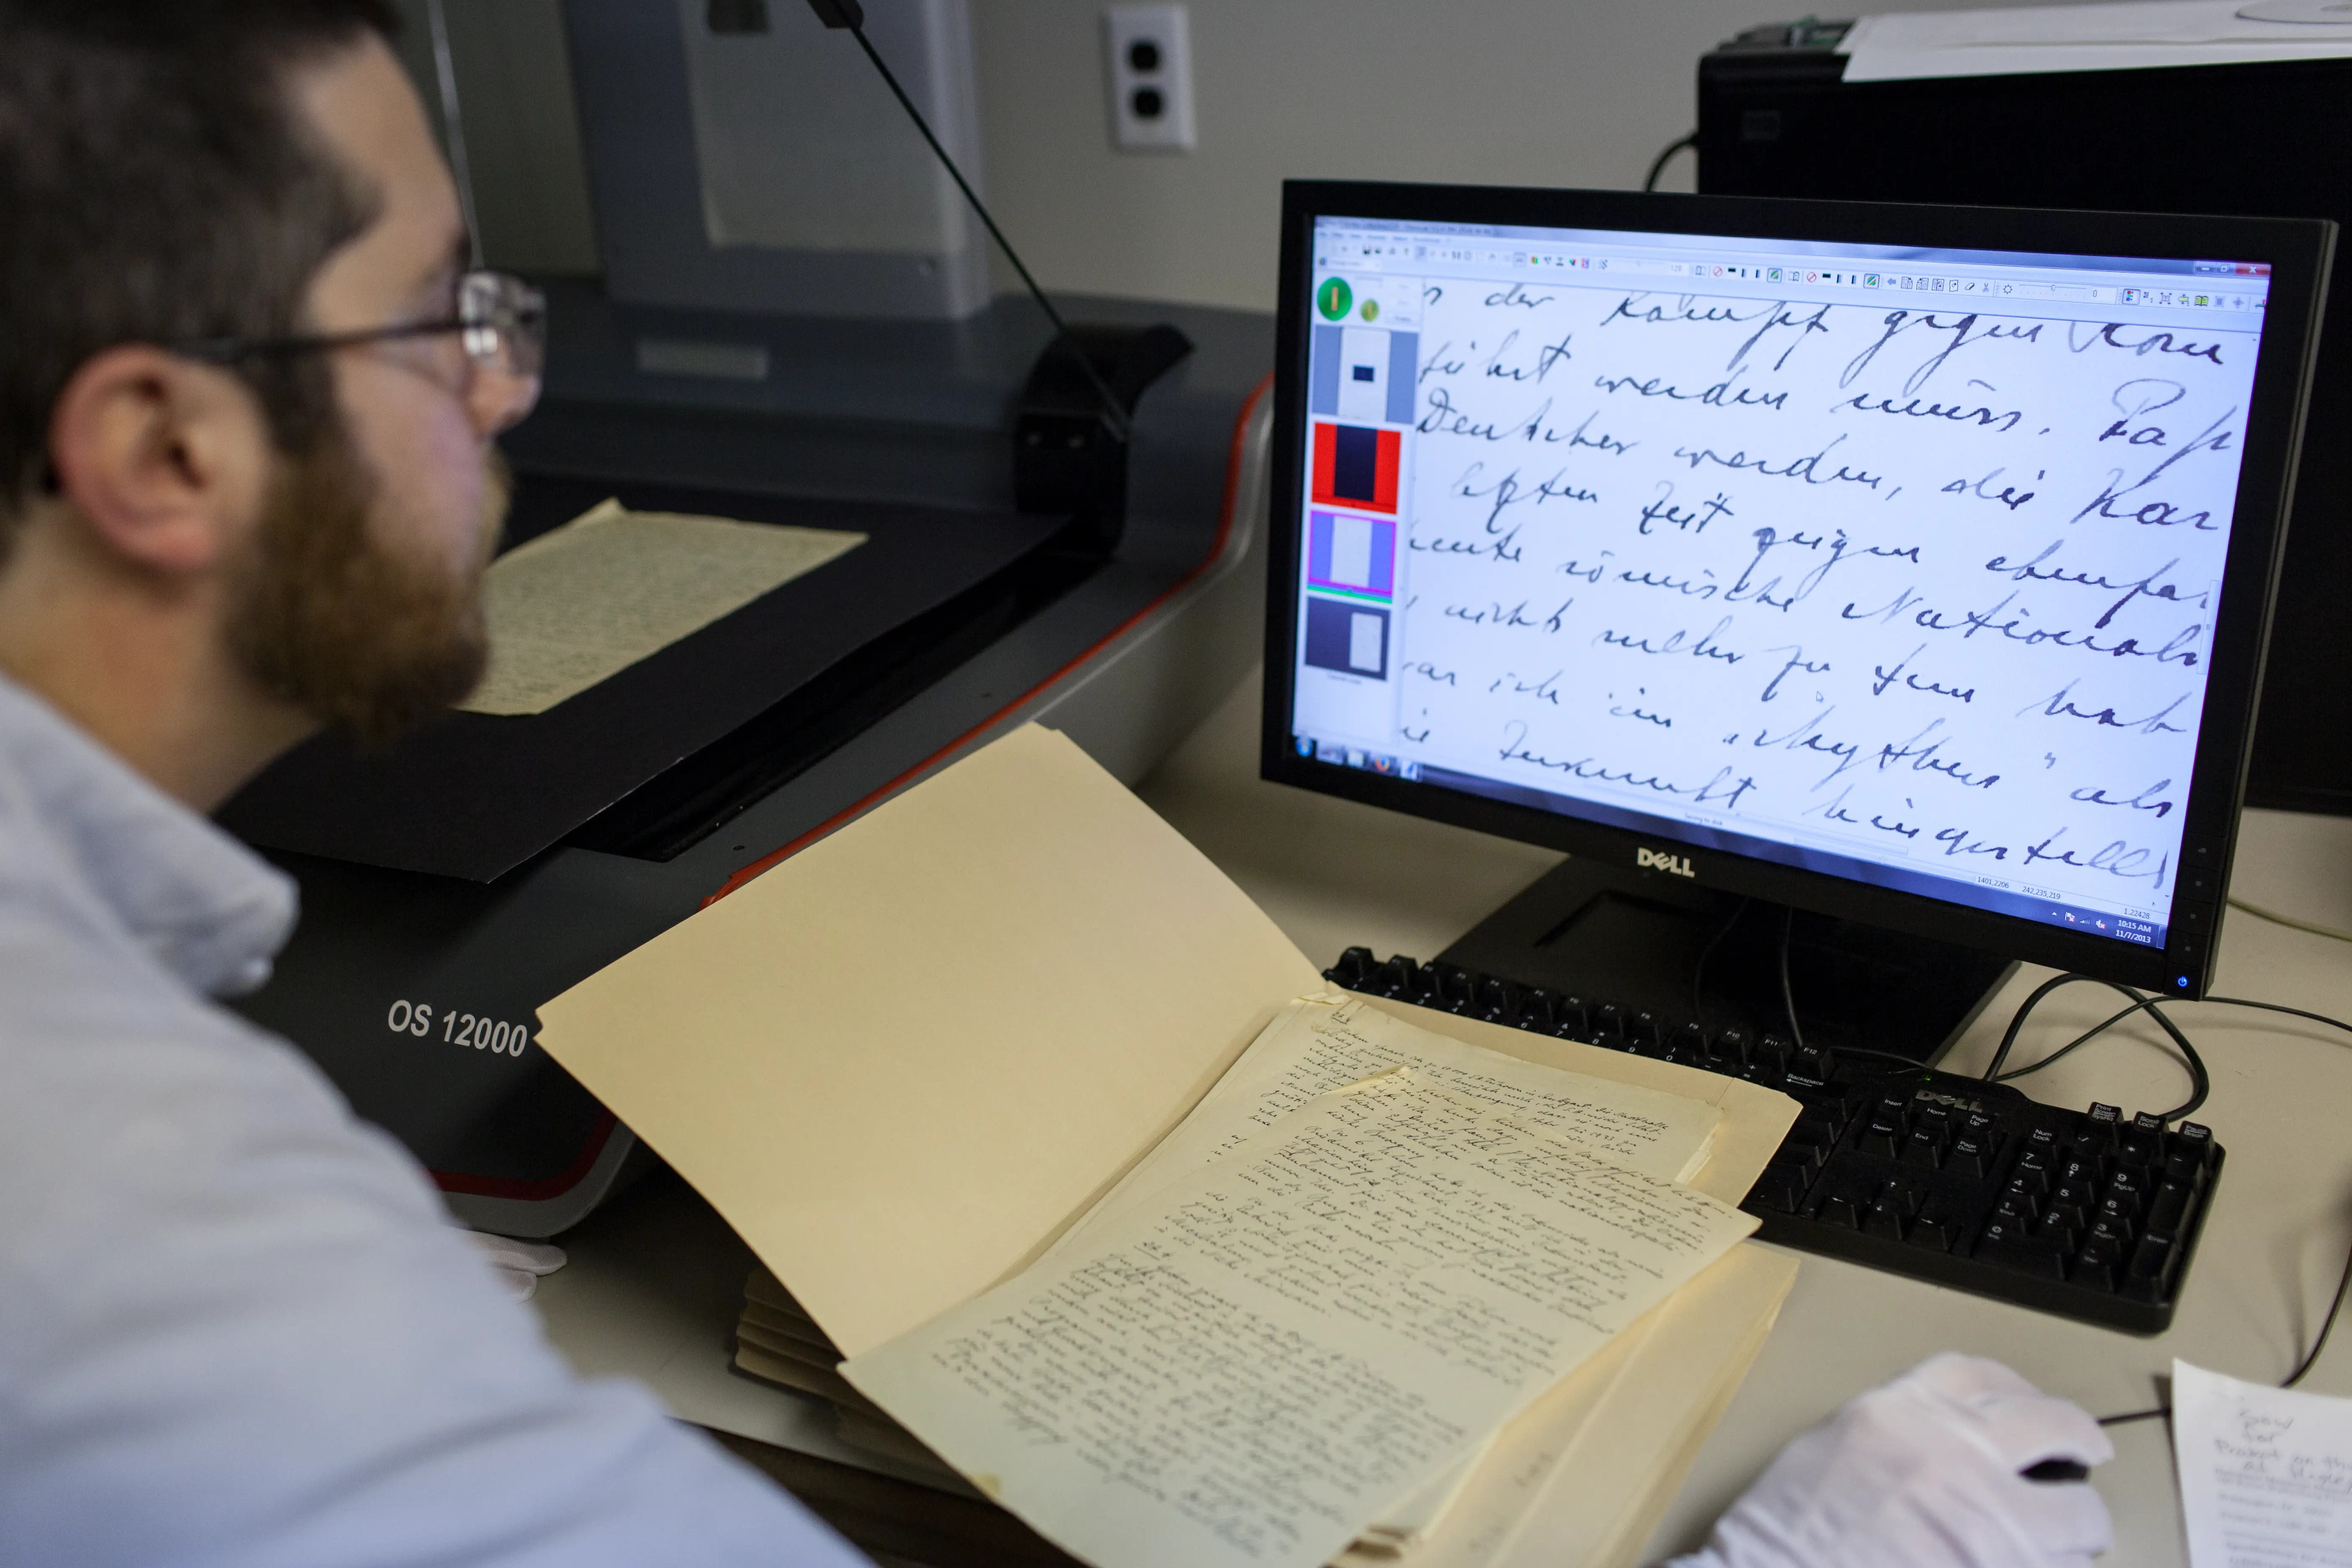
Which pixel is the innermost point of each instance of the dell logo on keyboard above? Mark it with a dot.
(1659, 860)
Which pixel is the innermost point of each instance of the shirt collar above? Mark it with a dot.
(204, 906)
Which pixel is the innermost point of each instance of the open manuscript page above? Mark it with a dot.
(1247, 1365)
(1319, 1044)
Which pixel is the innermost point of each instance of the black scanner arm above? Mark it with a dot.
(1070, 435)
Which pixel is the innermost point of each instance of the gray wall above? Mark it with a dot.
(1567, 92)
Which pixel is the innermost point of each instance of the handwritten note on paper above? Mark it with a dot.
(1315, 1046)
(1246, 1369)
(612, 586)
(2265, 1473)
(1318, 1046)
(1913, 580)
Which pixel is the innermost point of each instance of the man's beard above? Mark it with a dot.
(332, 620)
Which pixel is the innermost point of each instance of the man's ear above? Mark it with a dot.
(165, 458)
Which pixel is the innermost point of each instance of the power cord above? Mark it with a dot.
(2200, 1082)
(1787, 996)
(1698, 970)
(2314, 927)
(1666, 157)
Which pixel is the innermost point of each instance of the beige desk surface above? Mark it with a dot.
(654, 1285)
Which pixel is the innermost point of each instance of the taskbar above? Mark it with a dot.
(1897, 879)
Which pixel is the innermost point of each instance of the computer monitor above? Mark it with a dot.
(1906, 567)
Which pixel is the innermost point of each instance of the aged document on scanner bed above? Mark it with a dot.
(1243, 1366)
(587, 600)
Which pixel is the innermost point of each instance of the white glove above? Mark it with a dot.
(1924, 1473)
(517, 1263)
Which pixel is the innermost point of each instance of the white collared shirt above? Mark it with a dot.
(236, 1325)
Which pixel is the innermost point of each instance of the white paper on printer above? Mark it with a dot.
(2134, 35)
(2265, 1473)
(1242, 1369)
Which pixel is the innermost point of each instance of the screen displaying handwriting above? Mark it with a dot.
(1918, 586)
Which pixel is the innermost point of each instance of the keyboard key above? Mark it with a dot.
(1936, 1234)
(1811, 1155)
(1781, 1188)
(2009, 1247)
(1969, 1156)
(2169, 1209)
(2073, 1202)
(1841, 1211)
(1881, 1137)
(1922, 1148)
(2079, 1169)
(2109, 1231)
(2058, 1230)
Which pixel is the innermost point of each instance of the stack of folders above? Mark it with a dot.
(1069, 1176)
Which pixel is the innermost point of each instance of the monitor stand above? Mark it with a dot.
(1637, 938)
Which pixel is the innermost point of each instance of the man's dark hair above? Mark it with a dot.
(158, 182)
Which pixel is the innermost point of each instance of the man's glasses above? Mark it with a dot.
(502, 323)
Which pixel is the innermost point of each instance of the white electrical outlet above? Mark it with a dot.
(1149, 58)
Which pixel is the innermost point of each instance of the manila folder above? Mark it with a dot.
(900, 1062)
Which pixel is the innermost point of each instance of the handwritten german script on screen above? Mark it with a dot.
(1913, 581)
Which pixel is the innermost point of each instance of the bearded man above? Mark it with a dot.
(247, 487)
(248, 393)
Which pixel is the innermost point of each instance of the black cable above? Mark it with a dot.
(2077, 1043)
(2325, 1324)
(1787, 996)
(1698, 970)
(2274, 1007)
(854, 23)
(2201, 1082)
(1659, 167)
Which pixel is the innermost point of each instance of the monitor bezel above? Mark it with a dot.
(2298, 252)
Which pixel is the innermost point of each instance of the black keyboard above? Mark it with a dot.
(2085, 1213)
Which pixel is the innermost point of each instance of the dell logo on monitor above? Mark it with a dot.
(1659, 860)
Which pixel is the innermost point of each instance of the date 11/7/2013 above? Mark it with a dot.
(483, 1034)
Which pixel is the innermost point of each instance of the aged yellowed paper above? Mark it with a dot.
(587, 600)
(1246, 1366)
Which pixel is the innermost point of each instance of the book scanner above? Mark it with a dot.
(1060, 523)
